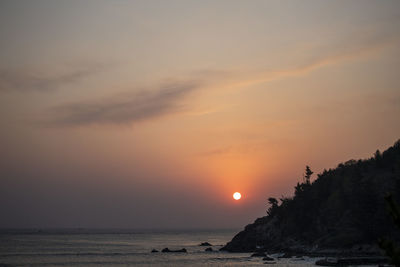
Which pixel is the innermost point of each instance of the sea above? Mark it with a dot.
(83, 247)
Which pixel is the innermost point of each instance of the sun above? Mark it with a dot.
(237, 196)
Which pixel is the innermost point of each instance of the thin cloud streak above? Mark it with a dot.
(27, 81)
(353, 52)
(124, 109)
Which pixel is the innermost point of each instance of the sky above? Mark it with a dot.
(151, 114)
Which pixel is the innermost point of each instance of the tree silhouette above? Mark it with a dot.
(273, 206)
(307, 175)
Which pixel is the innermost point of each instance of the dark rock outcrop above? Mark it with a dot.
(205, 244)
(154, 250)
(208, 249)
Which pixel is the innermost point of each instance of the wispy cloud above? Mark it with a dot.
(123, 109)
(358, 47)
(13, 80)
(167, 98)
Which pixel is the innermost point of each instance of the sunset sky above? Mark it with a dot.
(151, 114)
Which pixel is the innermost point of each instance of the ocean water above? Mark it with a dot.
(123, 248)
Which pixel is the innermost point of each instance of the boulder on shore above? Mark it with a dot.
(258, 254)
(177, 250)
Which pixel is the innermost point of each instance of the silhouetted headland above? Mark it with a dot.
(341, 212)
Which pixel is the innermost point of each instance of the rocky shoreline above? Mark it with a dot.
(264, 238)
(364, 255)
(256, 238)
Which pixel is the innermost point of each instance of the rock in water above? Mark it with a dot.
(268, 258)
(154, 250)
(205, 244)
(208, 249)
(178, 250)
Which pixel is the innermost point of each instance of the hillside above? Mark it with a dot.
(343, 208)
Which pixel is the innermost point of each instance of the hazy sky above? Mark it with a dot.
(148, 114)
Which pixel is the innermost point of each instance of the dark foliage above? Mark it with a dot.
(273, 202)
(388, 246)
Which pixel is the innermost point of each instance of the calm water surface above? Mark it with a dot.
(123, 248)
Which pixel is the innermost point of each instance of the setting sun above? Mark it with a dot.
(237, 196)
